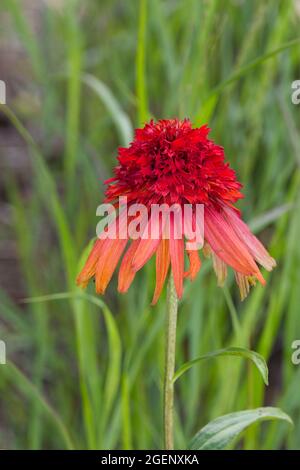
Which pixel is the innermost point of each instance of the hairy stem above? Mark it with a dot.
(172, 306)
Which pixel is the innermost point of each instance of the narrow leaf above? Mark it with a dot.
(120, 118)
(256, 358)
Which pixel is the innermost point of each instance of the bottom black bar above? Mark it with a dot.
(133, 459)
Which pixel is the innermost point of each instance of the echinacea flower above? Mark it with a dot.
(169, 162)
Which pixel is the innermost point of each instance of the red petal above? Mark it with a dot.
(255, 247)
(226, 244)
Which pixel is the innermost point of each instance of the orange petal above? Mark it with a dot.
(126, 273)
(146, 249)
(100, 247)
(89, 269)
(177, 263)
(162, 266)
(147, 246)
(226, 244)
(107, 263)
(195, 264)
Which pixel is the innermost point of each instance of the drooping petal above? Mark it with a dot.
(255, 247)
(207, 251)
(107, 263)
(89, 269)
(146, 249)
(162, 267)
(177, 259)
(126, 273)
(148, 245)
(220, 269)
(226, 244)
(101, 245)
(244, 283)
(195, 264)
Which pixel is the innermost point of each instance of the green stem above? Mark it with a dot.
(172, 307)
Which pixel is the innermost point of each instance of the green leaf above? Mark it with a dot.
(14, 374)
(120, 118)
(262, 221)
(256, 358)
(242, 71)
(141, 89)
(112, 377)
(210, 102)
(217, 434)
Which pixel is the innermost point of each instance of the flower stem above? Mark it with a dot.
(172, 306)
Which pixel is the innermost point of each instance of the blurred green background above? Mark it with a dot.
(80, 76)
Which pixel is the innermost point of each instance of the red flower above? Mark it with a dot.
(170, 163)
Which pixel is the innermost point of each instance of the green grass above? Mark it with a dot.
(86, 372)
